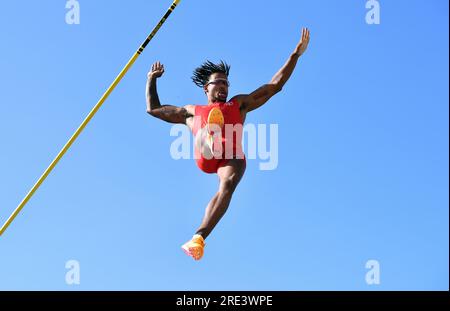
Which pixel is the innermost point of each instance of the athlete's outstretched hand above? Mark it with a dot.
(157, 70)
(303, 44)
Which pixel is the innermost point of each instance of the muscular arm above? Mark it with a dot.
(260, 96)
(168, 113)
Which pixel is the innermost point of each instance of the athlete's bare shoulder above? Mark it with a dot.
(190, 109)
(240, 99)
(190, 113)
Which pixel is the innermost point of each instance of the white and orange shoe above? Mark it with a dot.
(195, 247)
(215, 117)
(214, 127)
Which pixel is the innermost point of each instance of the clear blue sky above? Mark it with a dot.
(363, 147)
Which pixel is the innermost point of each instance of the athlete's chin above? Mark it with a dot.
(222, 99)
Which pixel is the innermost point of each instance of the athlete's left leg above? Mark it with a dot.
(229, 177)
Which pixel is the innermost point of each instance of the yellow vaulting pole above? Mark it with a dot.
(89, 117)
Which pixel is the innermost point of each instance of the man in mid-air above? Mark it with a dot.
(216, 152)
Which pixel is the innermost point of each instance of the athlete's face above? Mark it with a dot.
(217, 87)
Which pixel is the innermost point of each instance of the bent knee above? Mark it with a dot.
(230, 183)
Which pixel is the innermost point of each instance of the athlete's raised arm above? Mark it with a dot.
(168, 113)
(260, 96)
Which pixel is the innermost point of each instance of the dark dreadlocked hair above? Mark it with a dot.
(202, 73)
